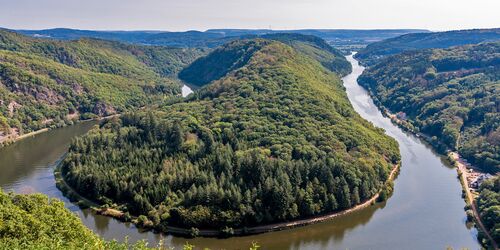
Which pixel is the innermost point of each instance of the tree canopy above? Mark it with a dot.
(46, 82)
(488, 204)
(452, 95)
(272, 138)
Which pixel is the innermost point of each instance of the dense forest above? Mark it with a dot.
(317, 49)
(46, 83)
(224, 61)
(272, 139)
(452, 95)
(374, 52)
(488, 204)
(35, 221)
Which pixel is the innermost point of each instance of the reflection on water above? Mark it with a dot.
(425, 211)
(26, 165)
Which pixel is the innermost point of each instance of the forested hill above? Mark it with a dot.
(274, 139)
(228, 58)
(374, 52)
(47, 82)
(450, 94)
(35, 221)
(104, 56)
(316, 48)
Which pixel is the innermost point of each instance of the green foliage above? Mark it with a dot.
(227, 232)
(316, 48)
(375, 52)
(488, 204)
(229, 58)
(194, 232)
(35, 221)
(46, 83)
(222, 61)
(275, 139)
(458, 106)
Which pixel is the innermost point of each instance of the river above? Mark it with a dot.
(425, 211)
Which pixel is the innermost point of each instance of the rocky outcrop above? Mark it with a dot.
(103, 109)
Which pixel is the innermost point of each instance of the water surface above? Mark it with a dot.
(425, 211)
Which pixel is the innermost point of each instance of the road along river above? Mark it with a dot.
(425, 211)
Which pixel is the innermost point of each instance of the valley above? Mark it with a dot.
(238, 138)
(437, 203)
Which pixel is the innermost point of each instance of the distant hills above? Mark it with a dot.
(374, 52)
(215, 37)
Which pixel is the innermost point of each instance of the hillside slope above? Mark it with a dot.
(317, 49)
(451, 94)
(374, 52)
(230, 58)
(35, 221)
(273, 139)
(47, 83)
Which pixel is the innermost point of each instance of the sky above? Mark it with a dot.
(180, 15)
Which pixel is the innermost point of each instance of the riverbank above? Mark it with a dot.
(12, 138)
(453, 158)
(9, 139)
(83, 202)
(470, 198)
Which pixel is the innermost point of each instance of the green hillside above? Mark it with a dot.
(47, 82)
(452, 95)
(35, 221)
(227, 59)
(374, 52)
(271, 138)
(317, 49)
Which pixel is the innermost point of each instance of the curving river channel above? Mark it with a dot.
(425, 211)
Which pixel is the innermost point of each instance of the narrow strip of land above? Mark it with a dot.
(8, 139)
(15, 138)
(462, 172)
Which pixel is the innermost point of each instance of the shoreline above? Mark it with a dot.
(455, 162)
(9, 141)
(83, 202)
(469, 197)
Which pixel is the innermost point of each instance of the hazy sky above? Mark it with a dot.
(278, 14)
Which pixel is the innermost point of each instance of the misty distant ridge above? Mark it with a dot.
(216, 37)
(375, 52)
